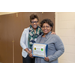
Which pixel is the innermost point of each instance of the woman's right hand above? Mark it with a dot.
(30, 54)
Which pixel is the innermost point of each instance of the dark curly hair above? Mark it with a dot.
(33, 16)
(48, 21)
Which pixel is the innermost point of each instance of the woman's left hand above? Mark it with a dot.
(46, 59)
(53, 33)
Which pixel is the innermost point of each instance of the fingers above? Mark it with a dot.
(30, 50)
(53, 33)
(30, 55)
(46, 59)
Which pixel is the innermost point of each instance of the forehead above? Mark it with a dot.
(35, 19)
(45, 24)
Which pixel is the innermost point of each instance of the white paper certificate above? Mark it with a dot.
(39, 50)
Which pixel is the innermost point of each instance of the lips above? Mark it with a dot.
(45, 30)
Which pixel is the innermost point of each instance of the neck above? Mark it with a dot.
(44, 35)
(34, 29)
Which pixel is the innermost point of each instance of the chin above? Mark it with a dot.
(35, 27)
(45, 32)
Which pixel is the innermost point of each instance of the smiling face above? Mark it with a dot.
(46, 28)
(34, 23)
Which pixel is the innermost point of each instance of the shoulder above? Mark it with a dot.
(55, 37)
(26, 29)
(39, 37)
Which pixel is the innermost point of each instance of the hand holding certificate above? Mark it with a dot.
(39, 50)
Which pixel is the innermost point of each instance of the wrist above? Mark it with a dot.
(26, 49)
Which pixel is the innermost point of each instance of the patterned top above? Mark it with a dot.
(33, 36)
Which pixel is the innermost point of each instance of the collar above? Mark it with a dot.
(32, 28)
(47, 35)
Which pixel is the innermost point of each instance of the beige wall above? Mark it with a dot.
(3, 13)
(65, 29)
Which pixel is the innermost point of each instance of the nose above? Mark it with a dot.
(34, 23)
(45, 28)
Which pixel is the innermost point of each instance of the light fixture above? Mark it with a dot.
(42, 12)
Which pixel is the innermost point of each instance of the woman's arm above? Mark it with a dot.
(59, 49)
(23, 41)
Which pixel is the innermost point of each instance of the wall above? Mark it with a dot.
(65, 28)
(4, 13)
(11, 28)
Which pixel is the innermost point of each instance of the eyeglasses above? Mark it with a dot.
(34, 22)
(46, 26)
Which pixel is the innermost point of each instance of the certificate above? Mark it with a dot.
(39, 50)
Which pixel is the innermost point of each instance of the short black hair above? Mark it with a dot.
(33, 16)
(48, 21)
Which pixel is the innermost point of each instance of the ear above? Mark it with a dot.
(38, 23)
(51, 28)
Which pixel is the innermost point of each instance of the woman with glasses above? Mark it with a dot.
(55, 45)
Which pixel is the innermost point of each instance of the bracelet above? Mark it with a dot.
(28, 52)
